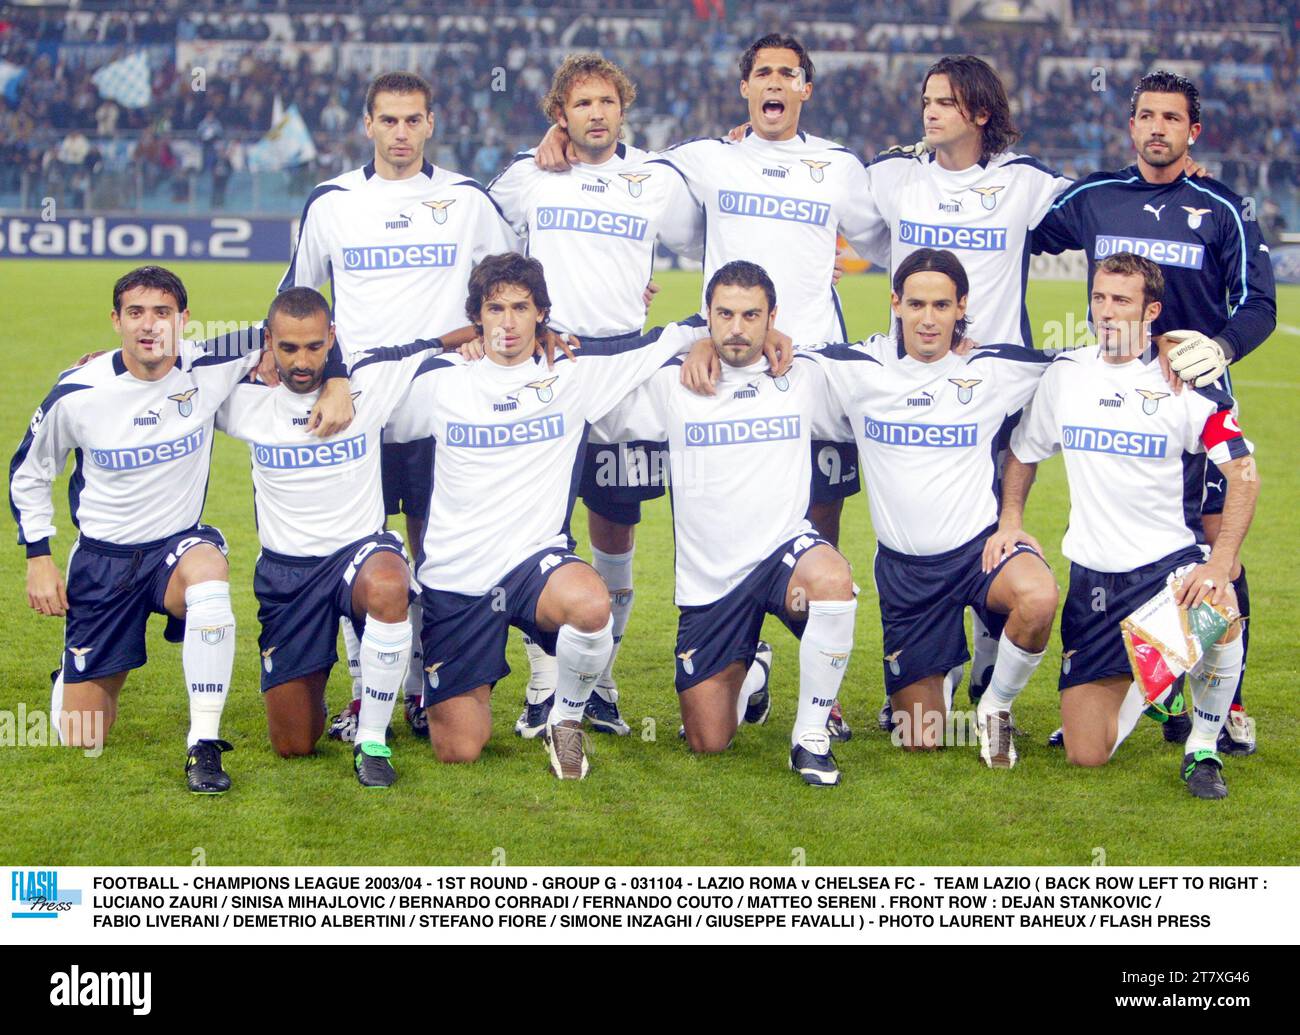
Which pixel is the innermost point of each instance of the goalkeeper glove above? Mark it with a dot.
(1196, 357)
(917, 150)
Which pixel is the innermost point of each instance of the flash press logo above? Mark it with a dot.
(36, 895)
(75, 987)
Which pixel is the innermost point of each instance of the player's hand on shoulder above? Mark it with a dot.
(88, 357)
(648, 295)
(1002, 544)
(917, 150)
(266, 371)
(333, 411)
(549, 343)
(555, 152)
(779, 350)
(1192, 167)
(966, 346)
(701, 368)
(472, 350)
(45, 591)
(1191, 357)
(738, 132)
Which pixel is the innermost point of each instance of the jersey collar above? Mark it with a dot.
(426, 167)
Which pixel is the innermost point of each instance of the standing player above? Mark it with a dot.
(320, 562)
(1133, 457)
(140, 421)
(745, 547)
(971, 194)
(396, 240)
(510, 436)
(927, 423)
(786, 195)
(1220, 301)
(603, 213)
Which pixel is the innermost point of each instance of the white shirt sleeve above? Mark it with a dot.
(642, 415)
(39, 460)
(861, 221)
(494, 235)
(827, 419)
(413, 417)
(1038, 435)
(310, 265)
(510, 190)
(610, 376)
(681, 227)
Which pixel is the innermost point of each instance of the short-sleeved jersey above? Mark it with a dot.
(1218, 274)
(594, 228)
(142, 448)
(741, 465)
(781, 203)
(397, 253)
(1134, 455)
(314, 496)
(927, 434)
(983, 215)
(509, 449)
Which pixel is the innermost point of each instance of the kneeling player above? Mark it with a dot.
(744, 547)
(927, 423)
(1134, 459)
(140, 420)
(320, 520)
(498, 552)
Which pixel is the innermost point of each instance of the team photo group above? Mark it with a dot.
(475, 358)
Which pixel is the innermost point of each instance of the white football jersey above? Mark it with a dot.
(729, 510)
(314, 496)
(509, 448)
(927, 434)
(593, 228)
(1134, 455)
(780, 204)
(983, 215)
(142, 447)
(397, 253)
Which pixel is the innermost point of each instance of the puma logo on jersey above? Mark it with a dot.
(543, 388)
(989, 195)
(149, 420)
(1115, 403)
(965, 388)
(595, 188)
(924, 399)
(1151, 400)
(1194, 216)
(1154, 211)
(184, 402)
(511, 403)
(816, 169)
(439, 209)
(634, 181)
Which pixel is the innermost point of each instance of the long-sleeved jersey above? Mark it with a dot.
(927, 434)
(142, 448)
(1134, 455)
(1218, 276)
(781, 203)
(397, 253)
(599, 221)
(983, 215)
(314, 496)
(741, 465)
(509, 453)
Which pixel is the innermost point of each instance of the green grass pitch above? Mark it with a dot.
(647, 801)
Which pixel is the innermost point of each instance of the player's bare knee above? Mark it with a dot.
(456, 748)
(1036, 605)
(385, 589)
(588, 614)
(293, 745)
(709, 740)
(203, 564)
(1090, 756)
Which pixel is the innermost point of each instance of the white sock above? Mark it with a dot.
(352, 647)
(384, 661)
(1213, 684)
(1134, 704)
(580, 658)
(56, 706)
(823, 656)
(1012, 671)
(616, 570)
(985, 650)
(208, 656)
(415, 670)
(951, 681)
(753, 683)
(543, 674)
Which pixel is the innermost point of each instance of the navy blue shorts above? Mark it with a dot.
(834, 471)
(922, 608)
(464, 637)
(406, 469)
(617, 478)
(1092, 645)
(712, 636)
(112, 591)
(300, 601)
